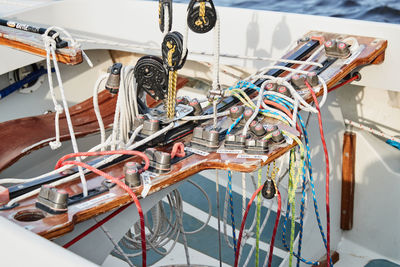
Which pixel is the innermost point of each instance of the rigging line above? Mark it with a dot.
(116, 246)
(278, 214)
(311, 182)
(129, 191)
(229, 189)
(258, 219)
(179, 216)
(291, 202)
(244, 222)
(321, 129)
(219, 219)
(302, 205)
(231, 209)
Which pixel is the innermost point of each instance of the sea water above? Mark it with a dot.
(373, 10)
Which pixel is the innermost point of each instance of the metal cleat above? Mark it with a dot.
(159, 161)
(208, 139)
(235, 141)
(52, 200)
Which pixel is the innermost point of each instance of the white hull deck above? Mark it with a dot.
(374, 101)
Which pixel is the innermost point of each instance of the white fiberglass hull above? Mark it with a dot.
(375, 100)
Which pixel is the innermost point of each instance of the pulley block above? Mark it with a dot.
(151, 77)
(161, 14)
(172, 51)
(268, 191)
(202, 16)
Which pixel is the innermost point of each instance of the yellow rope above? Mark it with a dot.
(159, 13)
(202, 14)
(172, 79)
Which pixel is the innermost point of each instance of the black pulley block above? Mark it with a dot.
(161, 14)
(173, 43)
(201, 23)
(151, 77)
(268, 191)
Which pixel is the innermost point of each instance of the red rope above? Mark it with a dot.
(244, 222)
(123, 186)
(344, 83)
(278, 215)
(178, 150)
(282, 108)
(103, 153)
(321, 130)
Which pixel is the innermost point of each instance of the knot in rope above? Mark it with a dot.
(171, 51)
(49, 41)
(55, 145)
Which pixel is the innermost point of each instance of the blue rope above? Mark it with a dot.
(231, 208)
(230, 189)
(287, 104)
(308, 161)
(234, 124)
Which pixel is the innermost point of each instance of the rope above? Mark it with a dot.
(172, 80)
(258, 218)
(231, 210)
(129, 191)
(219, 219)
(315, 202)
(328, 255)
(50, 47)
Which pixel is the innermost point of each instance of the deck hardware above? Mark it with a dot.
(132, 176)
(33, 29)
(52, 200)
(254, 146)
(298, 81)
(161, 15)
(151, 77)
(174, 58)
(114, 79)
(202, 16)
(268, 190)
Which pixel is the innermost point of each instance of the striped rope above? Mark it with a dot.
(234, 124)
(231, 209)
(291, 201)
(258, 218)
(315, 202)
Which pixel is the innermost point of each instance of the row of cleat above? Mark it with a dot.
(298, 81)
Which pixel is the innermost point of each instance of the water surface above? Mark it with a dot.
(373, 10)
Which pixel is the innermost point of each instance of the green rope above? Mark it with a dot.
(258, 217)
(291, 199)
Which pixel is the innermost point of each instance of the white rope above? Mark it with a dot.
(215, 83)
(97, 109)
(50, 46)
(206, 117)
(369, 129)
(74, 176)
(166, 19)
(254, 115)
(293, 91)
